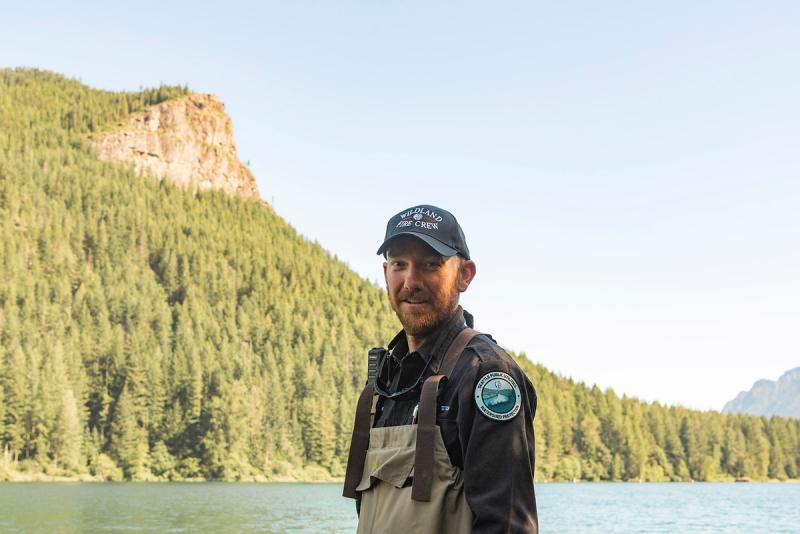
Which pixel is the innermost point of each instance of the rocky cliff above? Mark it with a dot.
(188, 140)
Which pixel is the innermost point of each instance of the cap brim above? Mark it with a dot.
(434, 243)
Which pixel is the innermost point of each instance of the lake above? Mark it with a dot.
(240, 507)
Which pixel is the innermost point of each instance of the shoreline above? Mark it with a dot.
(27, 478)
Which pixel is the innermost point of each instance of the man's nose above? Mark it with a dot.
(413, 280)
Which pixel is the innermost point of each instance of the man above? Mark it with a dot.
(447, 443)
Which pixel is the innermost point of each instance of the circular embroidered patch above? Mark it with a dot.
(497, 396)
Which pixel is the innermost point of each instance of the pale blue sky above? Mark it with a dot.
(627, 173)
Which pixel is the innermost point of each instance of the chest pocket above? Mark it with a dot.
(390, 457)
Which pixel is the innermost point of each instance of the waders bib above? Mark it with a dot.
(403, 473)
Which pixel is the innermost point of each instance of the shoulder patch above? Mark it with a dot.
(497, 396)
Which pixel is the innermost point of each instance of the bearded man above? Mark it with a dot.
(443, 438)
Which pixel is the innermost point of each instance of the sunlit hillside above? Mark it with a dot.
(148, 331)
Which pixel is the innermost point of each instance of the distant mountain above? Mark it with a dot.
(769, 398)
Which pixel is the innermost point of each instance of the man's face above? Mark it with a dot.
(423, 286)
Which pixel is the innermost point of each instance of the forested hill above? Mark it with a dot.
(149, 331)
(155, 329)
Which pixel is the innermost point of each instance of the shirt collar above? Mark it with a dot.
(432, 351)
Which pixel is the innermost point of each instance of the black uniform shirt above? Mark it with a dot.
(496, 457)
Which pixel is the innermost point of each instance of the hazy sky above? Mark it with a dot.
(627, 173)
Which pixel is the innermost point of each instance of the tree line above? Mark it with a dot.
(587, 434)
(151, 332)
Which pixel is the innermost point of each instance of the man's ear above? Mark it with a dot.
(466, 273)
(385, 278)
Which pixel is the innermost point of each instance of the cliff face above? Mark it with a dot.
(188, 140)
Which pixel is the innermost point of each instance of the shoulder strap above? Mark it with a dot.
(426, 425)
(455, 349)
(359, 443)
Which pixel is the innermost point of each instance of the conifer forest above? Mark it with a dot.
(150, 332)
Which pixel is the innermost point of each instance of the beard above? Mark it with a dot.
(438, 309)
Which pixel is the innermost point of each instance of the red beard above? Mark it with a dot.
(435, 309)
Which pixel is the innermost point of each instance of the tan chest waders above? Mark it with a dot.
(403, 473)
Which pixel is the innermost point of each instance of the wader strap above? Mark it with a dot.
(455, 349)
(426, 424)
(359, 443)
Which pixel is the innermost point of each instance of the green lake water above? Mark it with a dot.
(316, 508)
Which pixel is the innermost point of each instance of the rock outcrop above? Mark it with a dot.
(188, 140)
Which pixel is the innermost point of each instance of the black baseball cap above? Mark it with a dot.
(436, 227)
